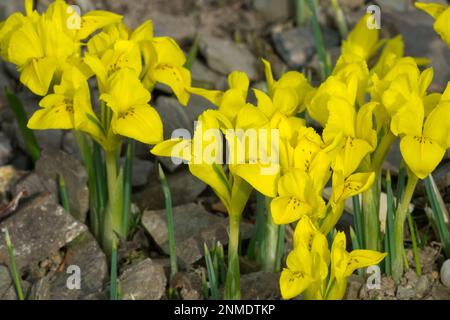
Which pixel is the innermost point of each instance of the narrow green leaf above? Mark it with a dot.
(256, 246)
(13, 266)
(127, 186)
(63, 194)
(29, 138)
(211, 274)
(432, 195)
(358, 219)
(390, 225)
(318, 40)
(114, 295)
(193, 52)
(170, 224)
(414, 243)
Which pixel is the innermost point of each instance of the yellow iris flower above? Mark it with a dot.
(344, 263)
(132, 116)
(356, 127)
(308, 264)
(68, 107)
(424, 138)
(117, 47)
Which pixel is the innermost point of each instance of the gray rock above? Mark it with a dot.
(143, 281)
(274, 10)
(445, 273)
(31, 184)
(225, 56)
(141, 171)
(184, 187)
(55, 163)
(204, 77)
(419, 25)
(423, 286)
(70, 145)
(355, 283)
(7, 287)
(5, 150)
(189, 284)
(260, 286)
(182, 28)
(404, 293)
(38, 228)
(196, 106)
(173, 115)
(296, 45)
(439, 292)
(193, 227)
(85, 253)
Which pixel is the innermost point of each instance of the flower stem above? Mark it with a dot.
(232, 285)
(371, 219)
(271, 242)
(382, 150)
(400, 216)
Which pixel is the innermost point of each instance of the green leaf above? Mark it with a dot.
(29, 138)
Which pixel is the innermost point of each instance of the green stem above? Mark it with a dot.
(271, 241)
(371, 221)
(340, 18)
(232, 285)
(332, 217)
(382, 151)
(400, 216)
(414, 243)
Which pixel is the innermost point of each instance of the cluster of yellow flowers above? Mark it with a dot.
(56, 55)
(348, 151)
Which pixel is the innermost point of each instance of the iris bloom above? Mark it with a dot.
(132, 116)
(68, 107)
(289, 92)
(117, 47)
(424, 138)
(309, 263)
(359, 138)
(344, 263)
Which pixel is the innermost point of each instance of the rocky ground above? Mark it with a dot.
(233, 35)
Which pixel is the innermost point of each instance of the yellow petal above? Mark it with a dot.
(38, 75)
(293, 284)
(124, 91)
(140, 122)
(240, 81)
(363, 258)
(95, 20)
(176, 148)
(214, 96)
(421, 154)
(263, 178)
(177, 78)
(437, 125)
(54, 115)
(433, 9)
(168, 52)
(288, 209)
